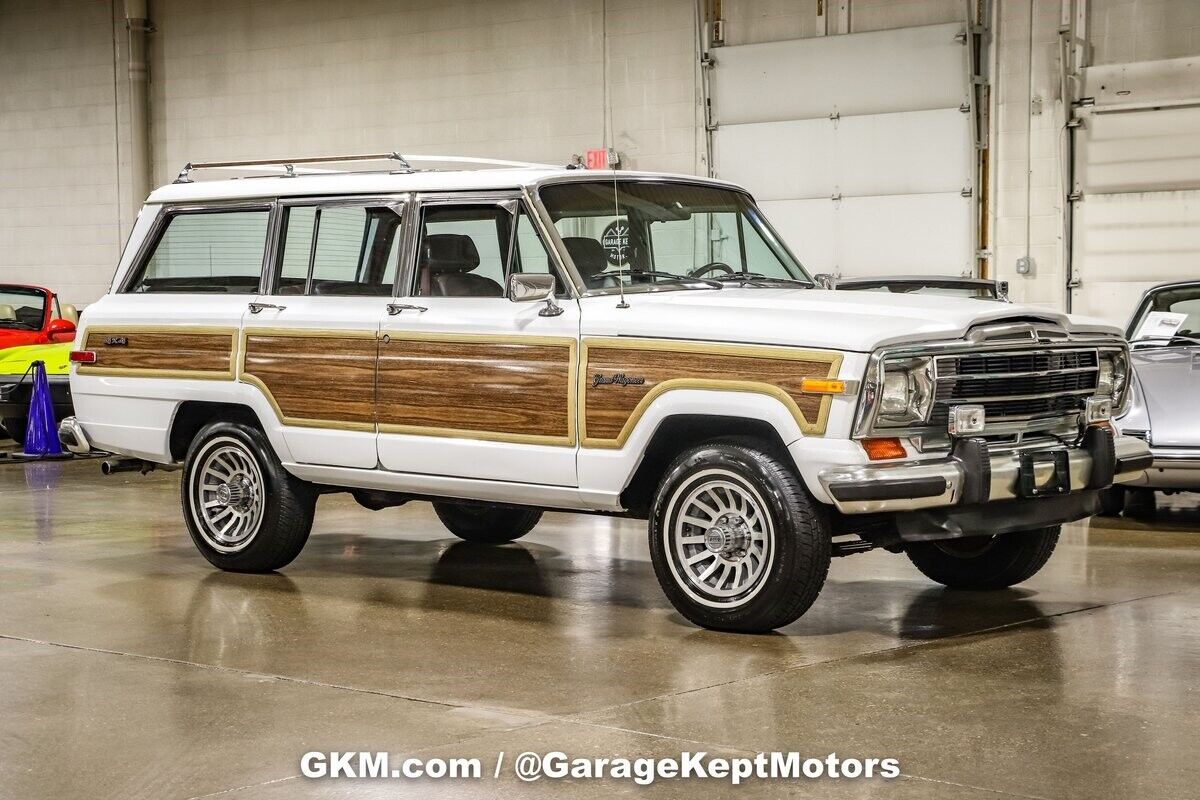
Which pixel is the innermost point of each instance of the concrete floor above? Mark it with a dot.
(129, 668)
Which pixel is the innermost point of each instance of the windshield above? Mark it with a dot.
(1169, 317)
(21, 308)
(658, 234)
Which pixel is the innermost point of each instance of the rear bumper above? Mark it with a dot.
(72, 436)
(975, 476)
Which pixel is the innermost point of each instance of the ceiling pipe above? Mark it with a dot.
(137, 24)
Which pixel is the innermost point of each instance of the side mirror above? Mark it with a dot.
(61, 330)
(826, 280)
(530, 288)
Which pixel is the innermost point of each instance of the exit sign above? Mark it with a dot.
(597, 159)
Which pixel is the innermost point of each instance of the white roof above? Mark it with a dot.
(376, 182)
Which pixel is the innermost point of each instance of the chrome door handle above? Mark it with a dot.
(257, 307)
(396, 308)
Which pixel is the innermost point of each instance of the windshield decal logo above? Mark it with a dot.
(620, 379)
(616, 240)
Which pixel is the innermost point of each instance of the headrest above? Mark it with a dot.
(7, 312)
(589, 255)
(449, 252)
(69, 312)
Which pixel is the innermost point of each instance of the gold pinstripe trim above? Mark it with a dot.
(808, 427)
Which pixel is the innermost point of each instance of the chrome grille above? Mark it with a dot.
(1043, 386)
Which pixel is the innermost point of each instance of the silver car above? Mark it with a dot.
(1164, 335)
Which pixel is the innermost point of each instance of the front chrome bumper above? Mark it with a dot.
(975, 475)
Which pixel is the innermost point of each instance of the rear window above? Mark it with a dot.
(208, 251)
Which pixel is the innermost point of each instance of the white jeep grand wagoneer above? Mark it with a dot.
(507, 340)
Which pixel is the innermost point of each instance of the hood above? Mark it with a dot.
(1164, 400)
(15, 360)
(835, 320)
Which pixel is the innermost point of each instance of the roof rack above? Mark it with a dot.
(290, 171)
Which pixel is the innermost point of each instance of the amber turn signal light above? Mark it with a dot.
(83, 356)
(822, 386)
(880, 449)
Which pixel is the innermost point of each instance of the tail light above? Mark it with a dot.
(83, 356)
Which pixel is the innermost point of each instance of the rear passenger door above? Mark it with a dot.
(472, 384)
(309, 342)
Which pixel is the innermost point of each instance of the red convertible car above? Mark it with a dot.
(32, 315)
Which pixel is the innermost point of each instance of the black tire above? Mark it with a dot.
(1112, 501)
(276, 520)
(15, 428)
(487, 524)
(985, 562)
(1141, 502)
(780, 537)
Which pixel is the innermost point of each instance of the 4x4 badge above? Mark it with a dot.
(620, 379)
(116, 341)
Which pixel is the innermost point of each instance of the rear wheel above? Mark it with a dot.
(244, 511)
(487, 524)
(15, 428)
(985, 562)
(736, 542)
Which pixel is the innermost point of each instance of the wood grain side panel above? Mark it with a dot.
(501, 388)
(165, 350)
(313, 379)
(610, 407)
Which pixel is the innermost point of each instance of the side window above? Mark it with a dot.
(208, 251)
(531, 256)
(339, 250)
(462, 251)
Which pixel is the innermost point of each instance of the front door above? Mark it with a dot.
(472, 384)
(310, 341)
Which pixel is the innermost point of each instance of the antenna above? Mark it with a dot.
(620, 249)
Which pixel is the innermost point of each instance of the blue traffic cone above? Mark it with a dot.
(41, 432)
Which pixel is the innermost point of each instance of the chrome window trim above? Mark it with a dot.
(397, 202)
(168, 210)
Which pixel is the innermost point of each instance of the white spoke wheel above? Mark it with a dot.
(227, 494)
(243, 510)
(719, 538)
(737, 543)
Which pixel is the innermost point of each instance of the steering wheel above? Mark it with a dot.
(712, 266)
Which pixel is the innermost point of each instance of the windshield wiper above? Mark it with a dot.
(667, 276)
(750, 277)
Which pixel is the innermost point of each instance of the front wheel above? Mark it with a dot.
(736, 542)
(244, 511)
(985, 562)
(487, 524)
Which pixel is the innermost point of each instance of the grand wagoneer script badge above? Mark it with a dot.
(620, 379)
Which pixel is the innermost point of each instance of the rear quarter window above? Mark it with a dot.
(207, 251)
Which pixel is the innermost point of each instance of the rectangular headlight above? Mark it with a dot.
(906, 391)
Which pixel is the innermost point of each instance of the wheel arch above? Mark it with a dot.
(192, 415)
(679, 432)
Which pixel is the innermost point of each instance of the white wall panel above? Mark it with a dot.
(1125, 243)
(924, 234)
(912, 152)
(908, 69)
(1153, 149)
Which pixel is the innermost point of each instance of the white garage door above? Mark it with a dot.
(857, 146)
(1137, 174)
